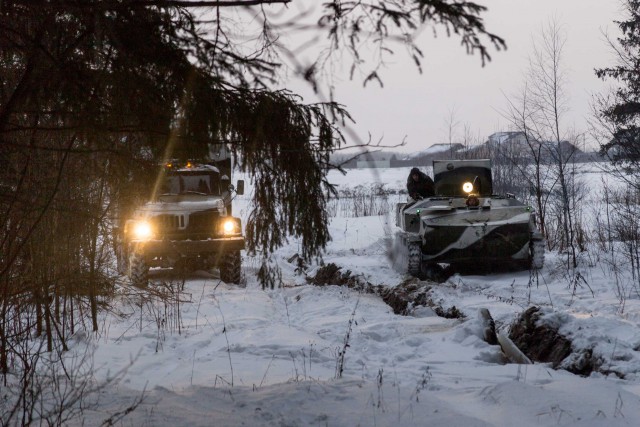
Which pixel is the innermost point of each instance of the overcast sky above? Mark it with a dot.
(418, 106)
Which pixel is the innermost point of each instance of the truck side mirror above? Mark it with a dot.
(240, 187)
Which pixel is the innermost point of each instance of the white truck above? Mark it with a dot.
(187, 223)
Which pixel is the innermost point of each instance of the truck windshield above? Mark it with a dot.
(191, 182)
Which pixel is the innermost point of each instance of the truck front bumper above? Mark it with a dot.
(186, 248)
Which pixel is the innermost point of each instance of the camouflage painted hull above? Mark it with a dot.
(500, 230)
(465, 224)
(460, 237)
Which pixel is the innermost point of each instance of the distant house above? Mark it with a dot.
(500, 138)
(503, 148)
(510, 146)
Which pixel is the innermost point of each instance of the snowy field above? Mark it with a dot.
(204, 353)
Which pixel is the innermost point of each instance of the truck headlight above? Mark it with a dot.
(230, 226)
(142, 230)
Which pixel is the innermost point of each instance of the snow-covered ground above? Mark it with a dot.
(207, 353)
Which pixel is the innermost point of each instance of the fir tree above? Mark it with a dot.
(619, 112)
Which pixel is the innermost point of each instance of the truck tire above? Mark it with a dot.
(231, 267)
(138, 271)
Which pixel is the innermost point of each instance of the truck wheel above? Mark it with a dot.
(231, 267)
(415, 259)
(138, 270)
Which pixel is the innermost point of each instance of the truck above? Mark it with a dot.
(187, 223)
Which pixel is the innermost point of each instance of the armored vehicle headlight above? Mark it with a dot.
(142, 230)
(467, 187)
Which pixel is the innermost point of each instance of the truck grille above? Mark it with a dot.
(168, 223)
(203, 222)
(197, 225)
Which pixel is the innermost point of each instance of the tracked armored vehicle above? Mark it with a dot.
(187, 224)
(465, 225)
